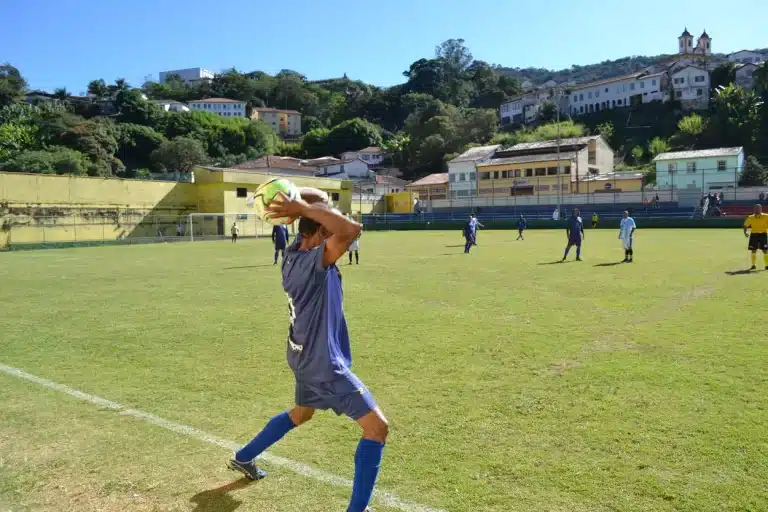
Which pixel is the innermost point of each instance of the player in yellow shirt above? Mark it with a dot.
(757, 225)
(595, 220)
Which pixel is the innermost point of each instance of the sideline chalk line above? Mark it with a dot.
(385, 498)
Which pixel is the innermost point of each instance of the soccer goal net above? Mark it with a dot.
(220, 226)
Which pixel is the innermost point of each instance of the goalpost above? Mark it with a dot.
(218, 226)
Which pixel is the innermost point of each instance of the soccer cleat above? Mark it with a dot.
(579, 259)
(249, 469)
(753, 267)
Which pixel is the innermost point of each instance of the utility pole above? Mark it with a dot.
(557, 120)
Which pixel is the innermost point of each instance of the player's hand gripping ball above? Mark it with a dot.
(270, 191)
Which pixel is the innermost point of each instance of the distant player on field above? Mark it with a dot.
(475, 223)
(521, 225)
(595, 220)
(757, 225)
(469, 235)
(318, 347)
(575, 232)
(234, 231)
(626, 235)
(280, 239)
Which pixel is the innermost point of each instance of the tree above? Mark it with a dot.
(548, 112)
(53, 160)
(606, 131)
(722, 76)
(181, 154)
(98, 89)
(690, 128)
(657, 146)
(136, 143)
(754, 174)
(736, 118)
(352, 135)
(12, 85)
(638, 153)
(455, 55)
(16, 138)
(62, 94)
(398, 148)
(315, 143)
(760, 77)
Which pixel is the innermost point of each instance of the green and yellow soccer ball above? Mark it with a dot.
(270, 191)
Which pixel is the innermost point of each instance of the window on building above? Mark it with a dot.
(632, 87)
(463, 176)
(341, 168)
(528, 173)
(485, 175)
(581, 109)
(472, 176)
(451, 178)
(721, 165)
(642, 85)
(671, 168)
(517, 173)
(567, 169)
(606, 89)
(551, 171)
(334, 196)
(618, 102)
(597, 94)
(242, 192)
(699, 78)
(589, 94)
(690, 166)
(575, 98)
(504, 174)
(581, 97)
(541, 171)
(699, 92)
(495, 175)
(653, 82)
(678, 94)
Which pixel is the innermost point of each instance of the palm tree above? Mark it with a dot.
(98, 89)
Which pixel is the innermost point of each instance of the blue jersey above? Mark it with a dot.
(473, 225)
(521, 224)
(280, 236)
(575, 226)
(318, 341)
(469, 229)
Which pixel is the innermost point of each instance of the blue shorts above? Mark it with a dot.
(574, 241)
(346, 394)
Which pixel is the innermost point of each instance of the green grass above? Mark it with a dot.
(509, 383)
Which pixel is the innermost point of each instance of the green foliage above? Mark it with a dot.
(315, 143)
(657, 146)
(638, 153)
(352, 135)
(550, 131)
(690, 128)
(736, 117)
(292, 149)
(15, 138)
(606, 131)
(136, 143)
(12, 85)
(755, 174)
(181, 155)
(53, 160)
(723, 76)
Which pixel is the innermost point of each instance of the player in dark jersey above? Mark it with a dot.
(521, 225)
(280, 239)
(469, 235)
(575, 233)
(318, 347)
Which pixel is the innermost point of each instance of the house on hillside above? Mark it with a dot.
(354, 168)
(707, 169)
(745, 75)
(380, 185)
(283, 122)
(223, 107)
(746, 57)
(171, 105)
(371, 155)
(618, 92)
(278, 165)
(690, 86)
(462, 171)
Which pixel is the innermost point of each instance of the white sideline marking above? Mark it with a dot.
(383, 497)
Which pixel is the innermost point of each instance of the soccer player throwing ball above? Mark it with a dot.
(757, 225)
(318, 344)
(575, 232)
(626, 233)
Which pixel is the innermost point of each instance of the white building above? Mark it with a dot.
(618, 92)
(525, 109)
(354, 168)
(380, 185)
(462, 170)
(171, 105)
(221, 106)
(745, 75)
(706, 169)
(746, 57)
(371, 155)
(188, 74)
(690, 85)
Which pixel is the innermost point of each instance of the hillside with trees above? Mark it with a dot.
(446, 104)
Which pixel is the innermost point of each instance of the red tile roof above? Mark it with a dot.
(275, 162)
(270, 109)
(433, 179)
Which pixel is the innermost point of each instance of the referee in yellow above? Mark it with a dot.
(757, 225)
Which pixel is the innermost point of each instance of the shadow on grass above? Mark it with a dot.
(613, 264)
(449, 246)
(556, 262)
(452, 253)
(250, 266)
(740, 272)
(218, 499)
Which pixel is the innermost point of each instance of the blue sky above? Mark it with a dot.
(57, 44)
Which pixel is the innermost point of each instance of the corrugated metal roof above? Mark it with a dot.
(541, 144)
(702, 153)
(564, 155)
(475, 154)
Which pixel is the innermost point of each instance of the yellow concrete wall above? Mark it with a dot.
(400, 202)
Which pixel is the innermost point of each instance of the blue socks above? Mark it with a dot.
(367, 463)
(272, 433)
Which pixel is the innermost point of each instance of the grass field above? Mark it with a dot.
(511, 384)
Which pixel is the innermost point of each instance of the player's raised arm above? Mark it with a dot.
(313, 195)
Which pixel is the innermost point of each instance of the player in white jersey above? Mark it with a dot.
(626, 235)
